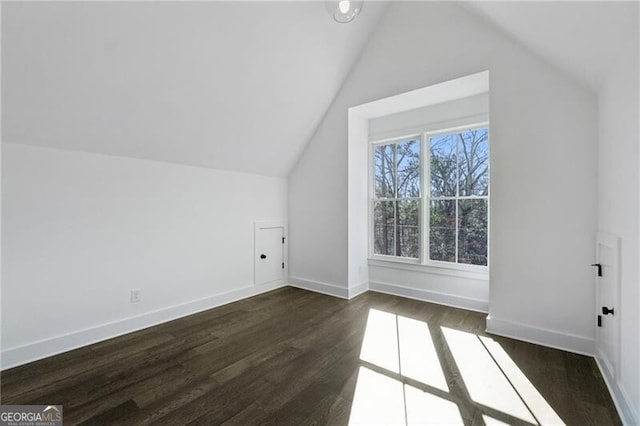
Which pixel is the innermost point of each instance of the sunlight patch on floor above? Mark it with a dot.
(378, 399)
(402, 345)
(490, 421)
(540, 408)
(380, 344)
(424, 408)
(402, 380)
(484, 380)
(418, 356)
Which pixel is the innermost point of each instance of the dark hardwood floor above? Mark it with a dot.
(292, 357)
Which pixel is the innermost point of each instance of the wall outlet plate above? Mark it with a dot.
(135, 295)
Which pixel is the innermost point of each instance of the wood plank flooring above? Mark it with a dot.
(291, 357)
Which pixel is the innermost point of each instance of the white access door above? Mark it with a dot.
(607, 304)
(269, 254)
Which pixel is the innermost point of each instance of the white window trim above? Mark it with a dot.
(390, 135)
(423, 263)
(455, 270)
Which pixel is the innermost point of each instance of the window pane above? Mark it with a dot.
(408, 229)
(384, 171)
(443, 165)
(442, 230)
(408, 157)
(472, 235)
(384, 227)
(473, 161)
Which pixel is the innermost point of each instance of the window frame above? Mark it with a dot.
(423, 261)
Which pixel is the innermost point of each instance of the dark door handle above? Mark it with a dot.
(599, 268)
(263, 256)
(607, 311)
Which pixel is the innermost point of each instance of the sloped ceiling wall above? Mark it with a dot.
(582, 38)
(228, 85)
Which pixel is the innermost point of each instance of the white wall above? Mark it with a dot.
(81, 230)
(618, 211)
(543, 156)
(467, 290)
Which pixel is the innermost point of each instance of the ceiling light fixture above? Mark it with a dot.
(344, 11)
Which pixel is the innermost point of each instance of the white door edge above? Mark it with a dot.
(270, 224)
(611, 366)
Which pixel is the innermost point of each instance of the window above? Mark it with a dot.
(456, 205)
(396, 200)
(459, 198)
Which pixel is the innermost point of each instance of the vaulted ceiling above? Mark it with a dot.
(228, 85)
(231, 85)
(581, 38)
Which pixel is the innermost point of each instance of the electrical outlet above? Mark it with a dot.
(135, 295)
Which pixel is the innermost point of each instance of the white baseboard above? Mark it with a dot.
(320, 287)
(541, 336)
(620, 398)
(431, 296)
(13, 357)
(357, 290)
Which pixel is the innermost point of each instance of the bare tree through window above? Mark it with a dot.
(458, 215)
(457, 200)
(397, 199)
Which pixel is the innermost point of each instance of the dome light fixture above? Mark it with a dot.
(344, 11)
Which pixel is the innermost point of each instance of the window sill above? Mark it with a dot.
(459, 271)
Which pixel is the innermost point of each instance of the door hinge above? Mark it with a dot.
(282, 265)
(599, 266)
(599, 320)
(283, 240)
